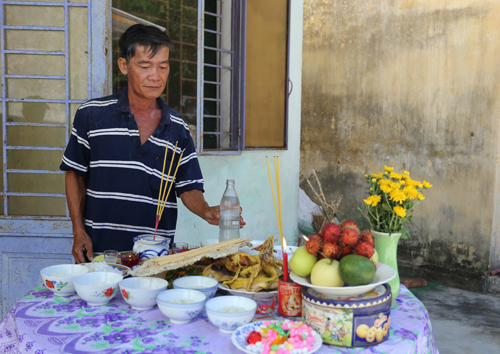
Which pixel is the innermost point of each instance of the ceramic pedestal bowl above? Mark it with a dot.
(181, 305)
(206, 285)
(230, 312)
(59, 278)
(97, 288)
(140, 292)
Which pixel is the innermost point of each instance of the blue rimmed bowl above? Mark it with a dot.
(206, 285)
(181, 305)
(230, 312)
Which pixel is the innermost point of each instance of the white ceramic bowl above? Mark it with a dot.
(97, 288)
(140, 292)
(218, 307)
(206, 285)
(62, 284)
(208, 242)
(178, 312)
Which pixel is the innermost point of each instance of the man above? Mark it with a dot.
(115, 155)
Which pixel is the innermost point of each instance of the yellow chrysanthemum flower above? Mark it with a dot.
(420, 196)
(398, 196)
(411, 192)
(374, 180)
(385, 188)
(373, 200)
(426, 184)
(395, 175)
(406, 173)
(385, 182)
(400, 211)
(388, 169)
(411, 182)
(395, 185)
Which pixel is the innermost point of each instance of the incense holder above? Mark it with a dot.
(149, 247)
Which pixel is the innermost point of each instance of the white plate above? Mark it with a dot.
(239, 337)
(383, 274)
(251, 294)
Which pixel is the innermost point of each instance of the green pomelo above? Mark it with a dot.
(356, 270)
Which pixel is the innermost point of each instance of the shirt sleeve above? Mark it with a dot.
(189, 176)
(77, 155)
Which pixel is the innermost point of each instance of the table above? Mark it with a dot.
(42, 323)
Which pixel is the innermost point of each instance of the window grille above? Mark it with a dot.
(14, 130)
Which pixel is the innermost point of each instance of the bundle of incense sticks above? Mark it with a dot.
(164, 192)
(277, 209)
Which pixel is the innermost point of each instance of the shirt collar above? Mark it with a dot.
(123, 106)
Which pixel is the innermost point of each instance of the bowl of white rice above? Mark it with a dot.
(97, 288)
(59, 278)
(181, 305)
(230, 312)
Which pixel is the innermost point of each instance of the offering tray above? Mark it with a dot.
(164, 263)
(383, 274)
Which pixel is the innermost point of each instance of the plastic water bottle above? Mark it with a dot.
(229, 223)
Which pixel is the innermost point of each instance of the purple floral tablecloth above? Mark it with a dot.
(42, 323)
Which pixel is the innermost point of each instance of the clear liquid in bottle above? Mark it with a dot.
(229, 223)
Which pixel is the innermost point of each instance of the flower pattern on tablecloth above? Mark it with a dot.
(45, 323)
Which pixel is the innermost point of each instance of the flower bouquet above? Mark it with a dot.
(392, 198)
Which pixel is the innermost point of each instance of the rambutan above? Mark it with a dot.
(349, 237)
(331, 232)
(313, 246)
(363, 248)
(344, 251)
(367, 236)
(317, 237)
(331, 250)
(349, 224)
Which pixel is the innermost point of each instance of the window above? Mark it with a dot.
(207, 77)
(46, 75)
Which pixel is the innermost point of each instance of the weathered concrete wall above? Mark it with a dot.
(412, 84)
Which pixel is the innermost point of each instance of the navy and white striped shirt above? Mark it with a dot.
(122, 177)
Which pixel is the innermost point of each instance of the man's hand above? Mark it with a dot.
(82, 242)
(194, 201)
(212, 216)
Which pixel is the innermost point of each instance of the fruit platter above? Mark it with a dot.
(383, 274)
(340, 260)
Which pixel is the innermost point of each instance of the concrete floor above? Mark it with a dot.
(462, 321)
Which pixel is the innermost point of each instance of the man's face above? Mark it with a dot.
(147, 76)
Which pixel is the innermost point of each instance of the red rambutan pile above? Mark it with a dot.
(336, 241)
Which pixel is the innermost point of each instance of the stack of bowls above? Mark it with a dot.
(140, 292)
(206, 285)
(59, 278)
(97, 288)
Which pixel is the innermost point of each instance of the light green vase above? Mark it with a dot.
(387, 249)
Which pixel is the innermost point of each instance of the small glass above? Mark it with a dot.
(111, 256)
(180, 247)
(193, 247)
(129, 259)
